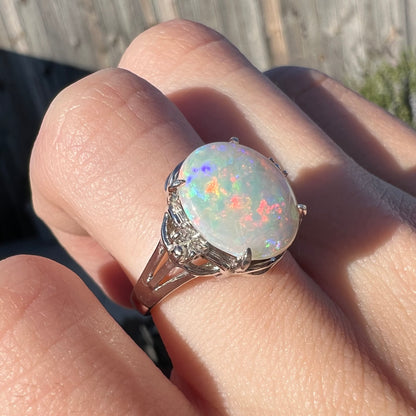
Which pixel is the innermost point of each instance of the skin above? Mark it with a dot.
(330, 330)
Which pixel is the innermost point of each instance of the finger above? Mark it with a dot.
(377, 141)
(61, 353)
(95, 163)
(104, 146)
(357, 240)
(275, 343)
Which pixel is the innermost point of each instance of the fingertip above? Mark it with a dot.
(29, 275)
(17, 269)
(35, 284)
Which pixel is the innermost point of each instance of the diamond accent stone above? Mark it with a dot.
(185, 242)
(236, 198)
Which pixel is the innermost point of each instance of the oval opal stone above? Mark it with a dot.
(238, 199)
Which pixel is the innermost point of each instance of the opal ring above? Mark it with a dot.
(230, 210)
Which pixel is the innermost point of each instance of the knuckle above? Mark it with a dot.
(177, 32)
(85, 128)
(182, 44)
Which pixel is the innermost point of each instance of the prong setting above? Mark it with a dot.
(284, 172)
(172, 179)
(175, 185)
(303, 210)
(244, 261)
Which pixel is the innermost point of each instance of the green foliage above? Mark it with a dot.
(393, 87)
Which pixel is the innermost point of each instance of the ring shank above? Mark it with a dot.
(160, 277)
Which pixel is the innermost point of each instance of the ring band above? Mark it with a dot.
(230, 210)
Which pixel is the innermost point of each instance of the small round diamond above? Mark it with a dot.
(237, 199)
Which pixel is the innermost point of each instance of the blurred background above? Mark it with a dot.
(46, 45)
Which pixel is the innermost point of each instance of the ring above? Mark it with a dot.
(230, 210)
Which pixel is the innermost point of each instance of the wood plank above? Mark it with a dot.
(300, 23)
(147, 10)
(254, 37)
(242, 24)
(34, 24)
(16, 39)
(134, 17)
(338, 29)
(409, 10)
(4, 35)
(207, 12)
(274, 33)
(383, 32)
(165, 10)
(340, 37)
(68, 33)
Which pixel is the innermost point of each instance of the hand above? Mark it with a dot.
(330, 330)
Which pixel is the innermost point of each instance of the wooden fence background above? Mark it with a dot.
(339, 37)
(47, 44)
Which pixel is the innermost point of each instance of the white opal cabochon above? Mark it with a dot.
(237, 199)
